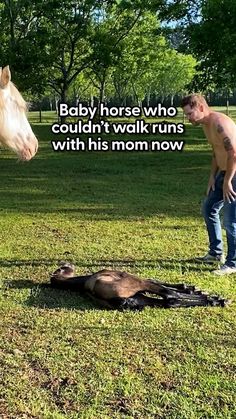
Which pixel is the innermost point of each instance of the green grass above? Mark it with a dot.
(61, 356)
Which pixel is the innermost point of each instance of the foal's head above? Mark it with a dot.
(15, 130)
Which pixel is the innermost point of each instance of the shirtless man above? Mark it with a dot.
(220, 132)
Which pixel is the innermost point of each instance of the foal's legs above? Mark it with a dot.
(187, 289)
(139, 301)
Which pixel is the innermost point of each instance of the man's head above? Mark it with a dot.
(195, 108)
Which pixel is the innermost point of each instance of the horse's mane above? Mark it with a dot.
(20, 102)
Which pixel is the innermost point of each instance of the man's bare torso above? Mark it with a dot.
(211, 131)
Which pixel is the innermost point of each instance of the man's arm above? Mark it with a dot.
(214, 169)
(229, 141)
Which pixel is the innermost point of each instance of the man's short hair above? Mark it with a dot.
(193, 101)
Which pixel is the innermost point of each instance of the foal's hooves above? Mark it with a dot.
(216, 301)
(189, 289)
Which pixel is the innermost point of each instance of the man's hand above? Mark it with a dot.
(211, 184)
(228, 193)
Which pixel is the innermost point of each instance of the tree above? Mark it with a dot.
(22, 43)
(177, 72)
(52, 42)
(149, 65)
(48, 41)
(112, 33)
(213, 40)
(132, 76)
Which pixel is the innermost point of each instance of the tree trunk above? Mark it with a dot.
(63, 100)
(102, 91)
(148, 97)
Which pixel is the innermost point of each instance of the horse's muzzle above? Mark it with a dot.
(29, 150)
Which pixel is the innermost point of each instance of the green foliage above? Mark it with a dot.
(176, 72)
(54, 44)
(213, 39)
(108, 40)
(144, 64)
(22, 42)
(142, 49)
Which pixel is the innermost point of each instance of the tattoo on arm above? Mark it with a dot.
(220, 129)
(227, 144)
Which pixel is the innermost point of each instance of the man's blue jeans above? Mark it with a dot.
(211, 212)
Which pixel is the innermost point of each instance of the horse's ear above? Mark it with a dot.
(5, 76)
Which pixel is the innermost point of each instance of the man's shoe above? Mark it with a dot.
(208, 258)
(225, 270)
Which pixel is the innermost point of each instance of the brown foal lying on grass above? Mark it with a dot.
(121, 290)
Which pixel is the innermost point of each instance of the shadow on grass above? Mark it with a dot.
(181, 265)
(170, 264)
(43, 296)
(41, 262)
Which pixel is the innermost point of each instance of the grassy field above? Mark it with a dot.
(61, 356)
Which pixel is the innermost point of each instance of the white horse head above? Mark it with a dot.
(15, 130)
